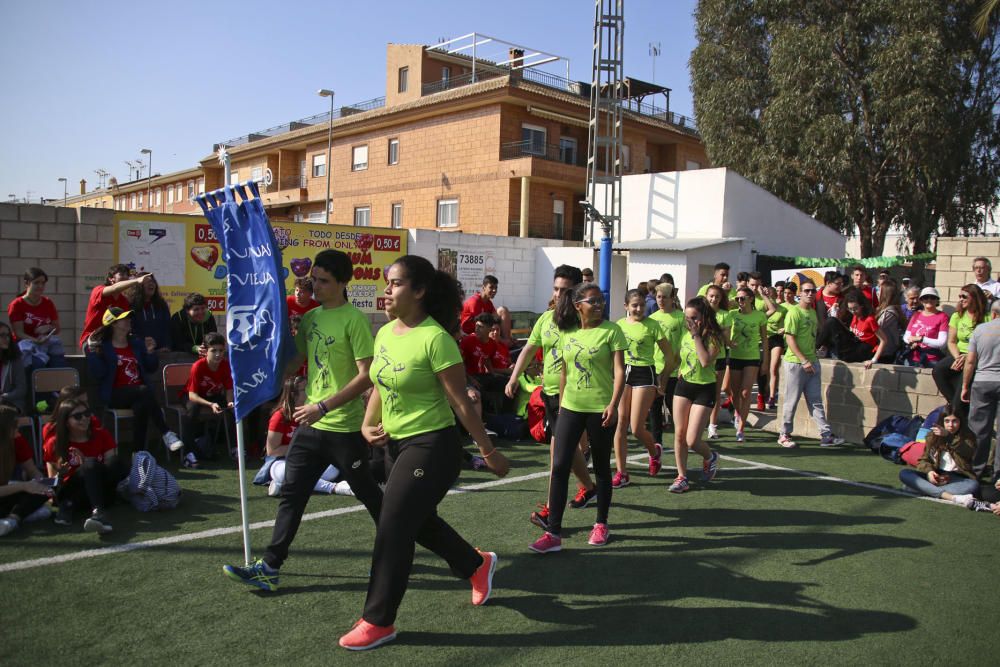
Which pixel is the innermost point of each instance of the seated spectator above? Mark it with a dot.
(150, 313)
(969, 314)
(72, 392)
(477, 349)
(853, 335)
(35, 321)
(861, 280)
(13, 379)
(280, 430)
(911, 302)
(890, 320)
(189, 325)
(119, 362)
(301, 300)
(482, 302)
(21, 492)
(927, 333)
(500, 357)
(210, 386)
(983, 269)
(111, 293)
(829, 296)
(945, 469)
(84, 457)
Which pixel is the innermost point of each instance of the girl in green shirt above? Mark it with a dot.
(718, 299)
(749, 329)
(419, 379)
(786, 298)
(644, 336)
(696, 391)
(671, 318)
(593, 378)
(972, 310)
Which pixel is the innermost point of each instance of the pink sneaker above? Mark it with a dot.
(482, 578)
(655, 461)
(364, 636)
(599, 535)
(546, 543)
(620, 480)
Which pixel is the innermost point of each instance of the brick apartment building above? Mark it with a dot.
(456, 143)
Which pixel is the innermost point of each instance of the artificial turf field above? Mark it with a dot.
(765, 565)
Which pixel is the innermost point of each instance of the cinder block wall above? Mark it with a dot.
(954, 263)
(73, 247)
(856, 399)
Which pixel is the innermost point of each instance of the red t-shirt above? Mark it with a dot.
(473, 306)
(295, 309)
(127, 373)
(864, 329)
(205, 382)
(286, 427)
(500, 357)
(95, 310)
(829, 299)
(475, 353)
(22, 450)
(33, 317)
(100, 443)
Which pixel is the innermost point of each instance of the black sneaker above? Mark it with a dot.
(65, 515)
(541, 517)
(583, 498)
(980, 506)
(97, 523)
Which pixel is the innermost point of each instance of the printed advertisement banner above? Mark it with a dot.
(468, 267)
(184, 254)
(799, 274)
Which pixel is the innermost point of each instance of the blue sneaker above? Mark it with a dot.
(258, 574)
(710, 467)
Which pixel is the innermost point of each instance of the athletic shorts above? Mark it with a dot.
(640, 376)
(721, 362)
(551, 411)
(699, 394)
(740, 364)
(775, 340)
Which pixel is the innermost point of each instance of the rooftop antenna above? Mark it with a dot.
(140, 165)
(131, 167)
(654, 51)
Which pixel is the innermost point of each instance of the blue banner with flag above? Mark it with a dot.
(256, 318)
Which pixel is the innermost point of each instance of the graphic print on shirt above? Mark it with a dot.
(742, 331)
(130, 367)
(586, 365)
(632, 351)
(386, 374)
(555, 353)
(320, 343)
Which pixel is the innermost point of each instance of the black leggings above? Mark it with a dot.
(949, 383)
(836, 337)
(569, 430)
(312, 450)
(421, 469)
(93, 484)
(656, 421)
(140, 400)
(21, 504)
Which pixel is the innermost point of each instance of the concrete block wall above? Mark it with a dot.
(856, 399)
(954, 263)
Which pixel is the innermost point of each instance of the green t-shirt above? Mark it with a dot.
(526, 386)
(333, 340)
(691, 369)
(642, 337)
(760, 304)
(704, 290)
(545, 334)
(776, 322)
(964, 327)
(725, 320)
(404, 371)
(590, 367)
(801, 324)
(673, 327)
(745, 334)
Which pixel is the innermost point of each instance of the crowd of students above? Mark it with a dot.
(404, 391)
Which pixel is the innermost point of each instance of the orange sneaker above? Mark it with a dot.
(482, 578)
(364, 636)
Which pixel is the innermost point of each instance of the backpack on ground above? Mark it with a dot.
(896, 424)
(538, 426)
(148, 486)
(891, 446)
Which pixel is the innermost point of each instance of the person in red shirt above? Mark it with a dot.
(862, 281)
(477, 350)
(829, 296)
(500, 359)
(482, 302)
(301, 301)
(84, 458)
(21, 493)
(853, 335)
(210, 386)
(111, 293)
(35, 321)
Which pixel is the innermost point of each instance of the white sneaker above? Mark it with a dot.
(190, 461)
(274, 488)
(7, 525)
(343, 489)
(965, 500)
(713, 431)
(172, 442)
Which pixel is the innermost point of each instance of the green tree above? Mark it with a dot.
(867, 114)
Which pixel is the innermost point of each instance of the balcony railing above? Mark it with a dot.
(551, 152)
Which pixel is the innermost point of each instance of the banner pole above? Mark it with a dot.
(240, 460)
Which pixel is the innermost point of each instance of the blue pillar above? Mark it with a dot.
(604, 280)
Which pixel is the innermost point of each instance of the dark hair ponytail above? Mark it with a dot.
(566, 317)
(442, 294)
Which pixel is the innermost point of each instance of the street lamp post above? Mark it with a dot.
(65, 191)
(323, 92)
(149, 177)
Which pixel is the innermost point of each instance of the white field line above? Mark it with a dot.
(218, 532)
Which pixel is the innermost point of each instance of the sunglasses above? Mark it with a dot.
(963, 296)
(80, 416)
(593, 300)
(742, 298)
(808, 291)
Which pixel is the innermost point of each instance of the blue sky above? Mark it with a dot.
(86, 85)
